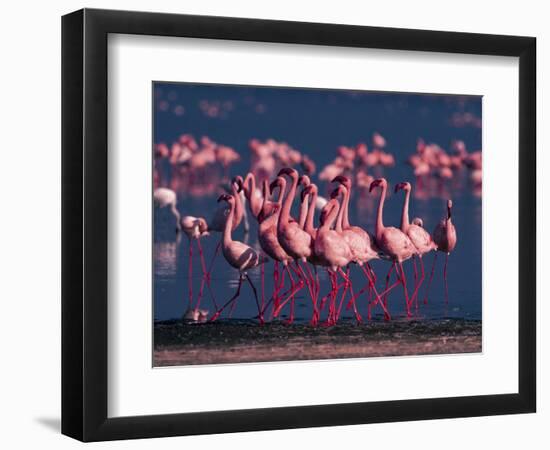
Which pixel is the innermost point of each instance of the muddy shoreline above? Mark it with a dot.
(237, 341)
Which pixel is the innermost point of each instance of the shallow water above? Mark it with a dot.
(316, 122)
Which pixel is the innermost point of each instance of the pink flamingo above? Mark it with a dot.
(392, 241)
(267, 238)
(239, 255)
(444, 236)
(292, 238)
(252, 194)
(360, 242)
(218, 221)
(420, 238)
(332, 251)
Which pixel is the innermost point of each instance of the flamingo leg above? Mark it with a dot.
(415, 280)
(309, 283)
(414, 297)
(190, 273)
(260, 313)
(230, 301)
(263, 291)
(404, 283)
(430, 279)
(295, 287)
(348, 285)
(203, 265)
(218, 247)
(445, 278)
(378, 300)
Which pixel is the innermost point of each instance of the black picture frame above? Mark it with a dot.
(84, 224)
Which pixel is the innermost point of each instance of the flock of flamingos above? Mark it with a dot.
(299, 247)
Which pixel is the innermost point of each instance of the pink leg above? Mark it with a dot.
(295, 287)
(347, 286)
(414, 297)
(378, 299)
(404, 283)
(231, 300)
(445, 278)
(430, 279)
(309, 283)
(190, 273)
(260, 312)
(203, 265)
(415, 280)
(263, 290)
(218, 247)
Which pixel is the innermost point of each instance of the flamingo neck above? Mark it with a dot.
(238, 201)
(331, 217)
(255, 203)
(228, 224)
(304, 209)
(340, 217)
(405, 213)
(379, 222)
(287, 204)
(345, 220)
(309, 221)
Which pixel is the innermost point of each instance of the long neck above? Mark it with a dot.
(331, 217)
(311, 211)
(340, 217)
(238, 201)
(303, 212)
(265, 195)
(228, 224)
(345, 222)
(253, 200)
(287, 204)
(379, 222)
(405, 213)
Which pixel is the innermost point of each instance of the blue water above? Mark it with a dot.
(316, 122)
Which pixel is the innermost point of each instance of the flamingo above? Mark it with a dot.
(420, 238)
(292, 238)
(163, 197)
(267, 237)
(218, 221)
(239, 255)
(444, 236)
(392, 241)
(360, 242)
(332, 251)
(194, 228)
(252, 194)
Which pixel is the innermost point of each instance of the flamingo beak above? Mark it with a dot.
(399, 186)
(335, 193)
(374, 184)
(305, 192)
(223, 197)
(340, 179)
(286, 171)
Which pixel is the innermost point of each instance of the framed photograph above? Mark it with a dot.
(273, 225)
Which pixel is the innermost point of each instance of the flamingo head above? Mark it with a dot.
(378, 182)
(288, 171)
(305, 180)
(307, 190)
(340, 190)
(226, 198)
(203, 226)
(406, 186)
(342, 180)
(418, 222)
(278, 182)
(238, 180)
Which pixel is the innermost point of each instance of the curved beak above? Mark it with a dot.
(223, 197)
(340, 179)
(399, 186)
(286, 171)
(305, 192)
(273, 186)
(374, 184)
